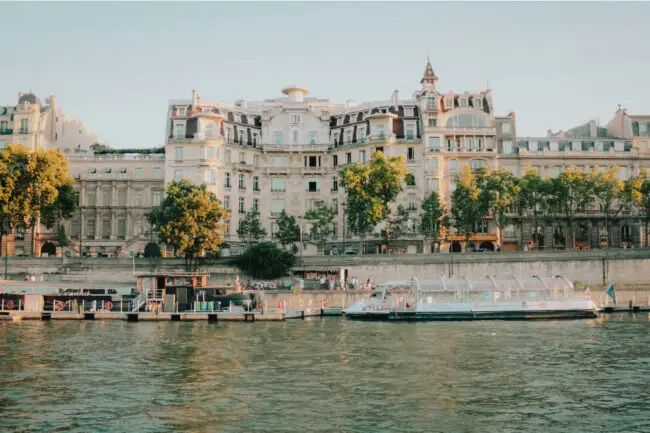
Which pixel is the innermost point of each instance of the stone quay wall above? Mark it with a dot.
(596, 267)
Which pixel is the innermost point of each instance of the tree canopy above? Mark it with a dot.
(265, 260)
(321, 218)
(288, 230)
(433, 218)
(191, 219)
(250, 228)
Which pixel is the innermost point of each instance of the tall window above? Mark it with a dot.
(432, 122)
(312, 138)
(348, 157)
(277, 184)
(157, 173)
(277, 137)
(242, 182)
(453, 165)
(295, 137)
(179, 154)
(178, 175)
(434, 144)
(226, 202)
(24, 126)
(180, 131)
(242, 205)
(335, 183)
(335, 160)
(228, 184)
(139, 173)
(476, 163)
(156, 198)
(362, 156)
(256, 183)
(431, 102)
(256, 205)
(277, 206)
(410, 153)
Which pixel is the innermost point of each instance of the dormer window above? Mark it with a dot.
(107, 172)
(408, 112)
(181, 111)
(92, 173)
(123, 173)
(295, 118)
(431, 102)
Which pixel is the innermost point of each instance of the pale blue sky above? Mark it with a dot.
(116, 65)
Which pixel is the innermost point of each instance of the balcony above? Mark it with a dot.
(278, 190)
(6, 131)
(313, 169)
(296, 147)
(242, 166)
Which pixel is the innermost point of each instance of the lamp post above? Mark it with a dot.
(344, 206)
(302, 246)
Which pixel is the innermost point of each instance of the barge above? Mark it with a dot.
(531, 298)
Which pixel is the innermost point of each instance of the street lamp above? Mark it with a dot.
(344, 206)
(302, 246)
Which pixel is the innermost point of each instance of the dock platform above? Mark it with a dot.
(225, 316)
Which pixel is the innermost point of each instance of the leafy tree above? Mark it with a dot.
(190, 219)
(250, 228)
(466, 209)
(611, 194)
(498, 193)
(570, 193)
(152, 249)
(432, 220)
(265, 260)
(321, 218)
(533, 199)
(638, 189)
(396, 225)
(288, 230)
(371, 188)
(60, 236)
(62, 209)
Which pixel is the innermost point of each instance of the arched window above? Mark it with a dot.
(465, 120)
(477, 163)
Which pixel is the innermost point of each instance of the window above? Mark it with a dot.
(106, 229)
(312, 161)
(157, 173)
(348, 136)
(106, 197)
(482, 227)
(408, 112)
(256, 161)
(228, 183)
(510, 231)
(277, 206)
(348, 158)
(465, 120)
(361, 135)
(24, 126)
(90, 228)
(92, 198)
(295, 118)
(256, 205)
(295, 137)
(450, 144)
(108, 173)
(242, 205)
(121, 197)
(242, 181)
(431, 102)
(121, 228)
(209, 177)
(139, 173)
(362, 156)
(433, 184)
(179, 154)
(507, 147)
(4, 126)
(278, 184)
(313, 186)
(411, 207)
(463, 102)
(479, 144)
(476, 163)
(335, 161)
(226, 202)
(178, 175)
(644, 145)
(278, 137)
(241, 137)
(156, 198)
(432, 122)
(643, 131)
(335, 206)
(181, 111)
(380, 131)
(434, 144)
(433, 163)
(623, 173)
(209, 152)
(410, 132)
(557, 170)
(505, 128)
(335, 184)
(180, 131)
(278, 161)
(410, 153)
(256, 183)
(312, 138)
(92, 173)
(453, 165)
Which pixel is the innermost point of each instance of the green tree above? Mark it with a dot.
(371, 188)
(60, 237)
(62, 209)
(396, 225)
(499, 190)
(466, 208)
(432, 220)
(570, 193)
(321, 218)
(250, 228)
(190, 219)
(288, 230)
(152, 250)
(612, 196)
(265, 260)
(532, 200)
(638, 188)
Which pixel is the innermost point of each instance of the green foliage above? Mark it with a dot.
(371, 188)
(321, 218)
(432, 220)
(250, 228)
(152, 249)
(190, 219)
(498, 193)
(265, 261)
(288, 230)
(63, 207)
(467, 209)
(409, 179)
(396, 225)
(60, 236)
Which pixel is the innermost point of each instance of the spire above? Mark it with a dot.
(429, 78)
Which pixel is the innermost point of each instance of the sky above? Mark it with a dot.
(116, 65)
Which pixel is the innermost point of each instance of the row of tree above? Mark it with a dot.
(507, 199)
(35, 188)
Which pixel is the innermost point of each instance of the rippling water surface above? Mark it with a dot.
(326, 376)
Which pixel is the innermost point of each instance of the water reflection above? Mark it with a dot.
(326, 375)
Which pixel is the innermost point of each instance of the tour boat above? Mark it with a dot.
(475, 299)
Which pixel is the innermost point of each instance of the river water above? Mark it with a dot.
(326, 375)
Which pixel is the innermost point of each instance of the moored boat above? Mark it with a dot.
(479, 299)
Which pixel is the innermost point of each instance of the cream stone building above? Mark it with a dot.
(286, 153)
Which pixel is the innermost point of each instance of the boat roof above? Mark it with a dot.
(172, 274)
(486, 284)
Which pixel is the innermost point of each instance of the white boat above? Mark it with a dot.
(475, 299)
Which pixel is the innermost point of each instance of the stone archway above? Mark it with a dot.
(48, 250)
(486, 245)
(455, 247)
